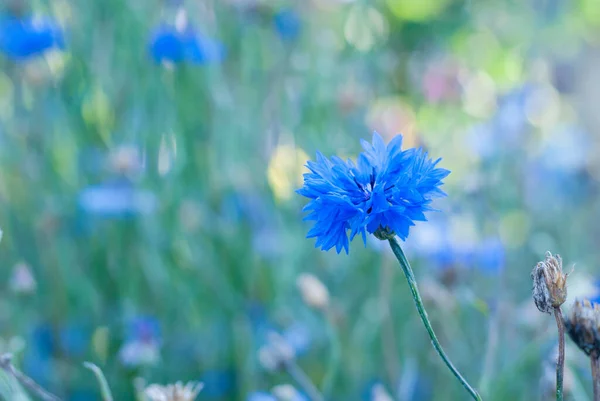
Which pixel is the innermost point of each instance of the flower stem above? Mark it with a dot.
(104, 387)
(560, 363)
(303, 381)
(334, 360)
(26, 381)
(412, 283)
(596, 375)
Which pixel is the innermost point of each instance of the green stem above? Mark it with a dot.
(595, 375)
(303, 381)
(26, 381)
(412, 283)
(334, 360)
(104, 387)
(560, 363)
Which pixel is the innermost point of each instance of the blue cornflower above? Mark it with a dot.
(21, 38)
(288, 24)
(170, 44)
(384, 193)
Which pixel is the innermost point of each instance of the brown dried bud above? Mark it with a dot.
(549, 283)
(583, 326)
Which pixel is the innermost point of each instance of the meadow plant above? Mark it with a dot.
(549, 293)
(383, 194)
(583, 326)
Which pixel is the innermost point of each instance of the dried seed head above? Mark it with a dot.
(313, 291)
(583, 326)
(549, 283)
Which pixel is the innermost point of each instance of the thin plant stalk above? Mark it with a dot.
(388, 336)
(303, 381)
(104, 387)
(412, 283)
(560, 363)
(595, 359)
(490, 352)
(26, 381)
(334, 360)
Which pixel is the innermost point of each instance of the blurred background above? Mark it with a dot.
(149, 154)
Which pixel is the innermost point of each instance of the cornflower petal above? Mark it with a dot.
(387, 188)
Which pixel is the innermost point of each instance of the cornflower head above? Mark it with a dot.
(22, 38)
(383, 193)
(173, 45)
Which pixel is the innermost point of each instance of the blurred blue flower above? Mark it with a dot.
(218, 383)
(39, 369)
(491, 255)
(144, 328)
(142, 344)
(116, 199)
(298, 336)
(43, 340)
(260, 396)
(38, 356)
(170, 44)
(288, 23)
(74, 339)
(595, 298)
(387, 188)
(21, 38)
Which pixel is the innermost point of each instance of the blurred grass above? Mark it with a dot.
(215, 262)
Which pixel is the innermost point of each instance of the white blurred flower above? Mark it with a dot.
(13, 345)
(125, 159)
(286, 392)
(173, 392)
(276, 353)
(379, 393)
(139, 353)
(313, 291)
(22, 280)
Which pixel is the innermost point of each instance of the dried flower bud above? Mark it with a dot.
(583, 326)
(173, 392)
(313, 291)
(549, 283)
